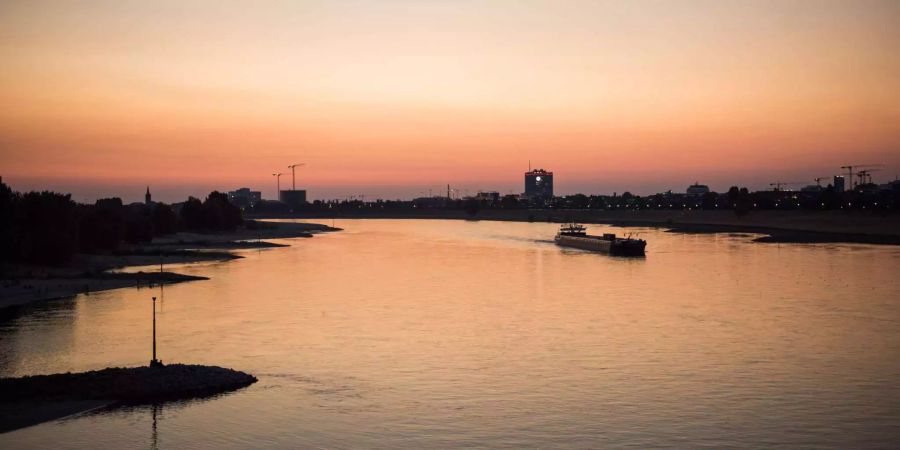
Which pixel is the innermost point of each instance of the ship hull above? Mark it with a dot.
(618, 247)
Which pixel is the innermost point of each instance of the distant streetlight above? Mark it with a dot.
(277, 185)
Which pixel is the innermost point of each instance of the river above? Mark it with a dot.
(447, 334)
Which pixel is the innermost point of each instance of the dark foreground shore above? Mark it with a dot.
(775, 226)
(87, 273)
(31, 400)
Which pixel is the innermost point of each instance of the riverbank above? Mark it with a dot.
(249, 236)
(21, 291)
(86, 273)
(31, 400)
(775, 226)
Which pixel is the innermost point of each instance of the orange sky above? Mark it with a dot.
(395, 98)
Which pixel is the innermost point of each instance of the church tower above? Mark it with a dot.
(147, 200)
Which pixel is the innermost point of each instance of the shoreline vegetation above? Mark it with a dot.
(52, 247)
(30, 400)
(775, 226)
(87, 273)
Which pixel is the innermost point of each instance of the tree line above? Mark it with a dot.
(50, 228)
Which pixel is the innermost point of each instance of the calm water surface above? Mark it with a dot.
(438, 334)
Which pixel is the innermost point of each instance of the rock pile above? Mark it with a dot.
(128, 385)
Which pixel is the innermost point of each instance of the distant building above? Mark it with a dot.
(490, 198)
(697, 190)
(147, 199)
(838, 184)
(293, 198)
(430, 202)
(539, 185)
(893, 186)
(244, 198)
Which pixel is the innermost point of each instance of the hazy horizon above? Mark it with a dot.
(390, 99)
(89, 193)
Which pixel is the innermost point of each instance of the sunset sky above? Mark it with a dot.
(394, 98)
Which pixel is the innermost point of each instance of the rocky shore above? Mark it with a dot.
(30, 400)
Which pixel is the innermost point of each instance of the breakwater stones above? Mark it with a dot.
(126, 385)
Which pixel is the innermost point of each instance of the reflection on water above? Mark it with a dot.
(49, 331)
(424, 334)
(154, 439)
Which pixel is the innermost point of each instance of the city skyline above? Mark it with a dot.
(392, 99)
(179, 193)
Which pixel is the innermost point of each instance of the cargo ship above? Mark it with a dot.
(574, 235)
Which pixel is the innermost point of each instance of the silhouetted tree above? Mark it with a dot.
(579, 201)
(102, 226)
(472, 207)
(219, 214)
(597, 202)
(827, 199)
(46, 231)
(744, 203)
(164, 220)
(138, 224)
(191, 214)
(270, 206)
(509, 201)
(8, 201)
(733, 194)
(709, 200)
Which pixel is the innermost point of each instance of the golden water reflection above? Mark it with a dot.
(414, 334)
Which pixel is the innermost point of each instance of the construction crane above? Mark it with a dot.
(277, 185)
(294, 175)
(819, 180)
(858, 166)
(779, 184)
(865, 176)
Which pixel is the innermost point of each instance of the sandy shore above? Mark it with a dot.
(22, 291)
(86, 273)
(778, 226)
(245, 236)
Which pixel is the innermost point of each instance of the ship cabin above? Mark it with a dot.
(572, 229)
(576, 230)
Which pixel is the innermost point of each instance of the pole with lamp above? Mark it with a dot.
(155, 362)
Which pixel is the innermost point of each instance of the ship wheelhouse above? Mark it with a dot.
(572, 229)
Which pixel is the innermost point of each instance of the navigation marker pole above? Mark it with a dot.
(154, 362)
